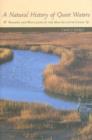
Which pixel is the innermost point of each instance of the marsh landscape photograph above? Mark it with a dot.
(45, 85)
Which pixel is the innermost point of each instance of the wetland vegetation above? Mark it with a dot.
(72, 78)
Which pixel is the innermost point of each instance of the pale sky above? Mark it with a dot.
(45, 4)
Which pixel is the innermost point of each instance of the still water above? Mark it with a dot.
(22, 79)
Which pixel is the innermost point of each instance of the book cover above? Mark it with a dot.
(46, 70)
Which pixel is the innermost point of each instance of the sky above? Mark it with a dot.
(45, 4)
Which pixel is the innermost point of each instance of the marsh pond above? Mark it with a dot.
(22, 79)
